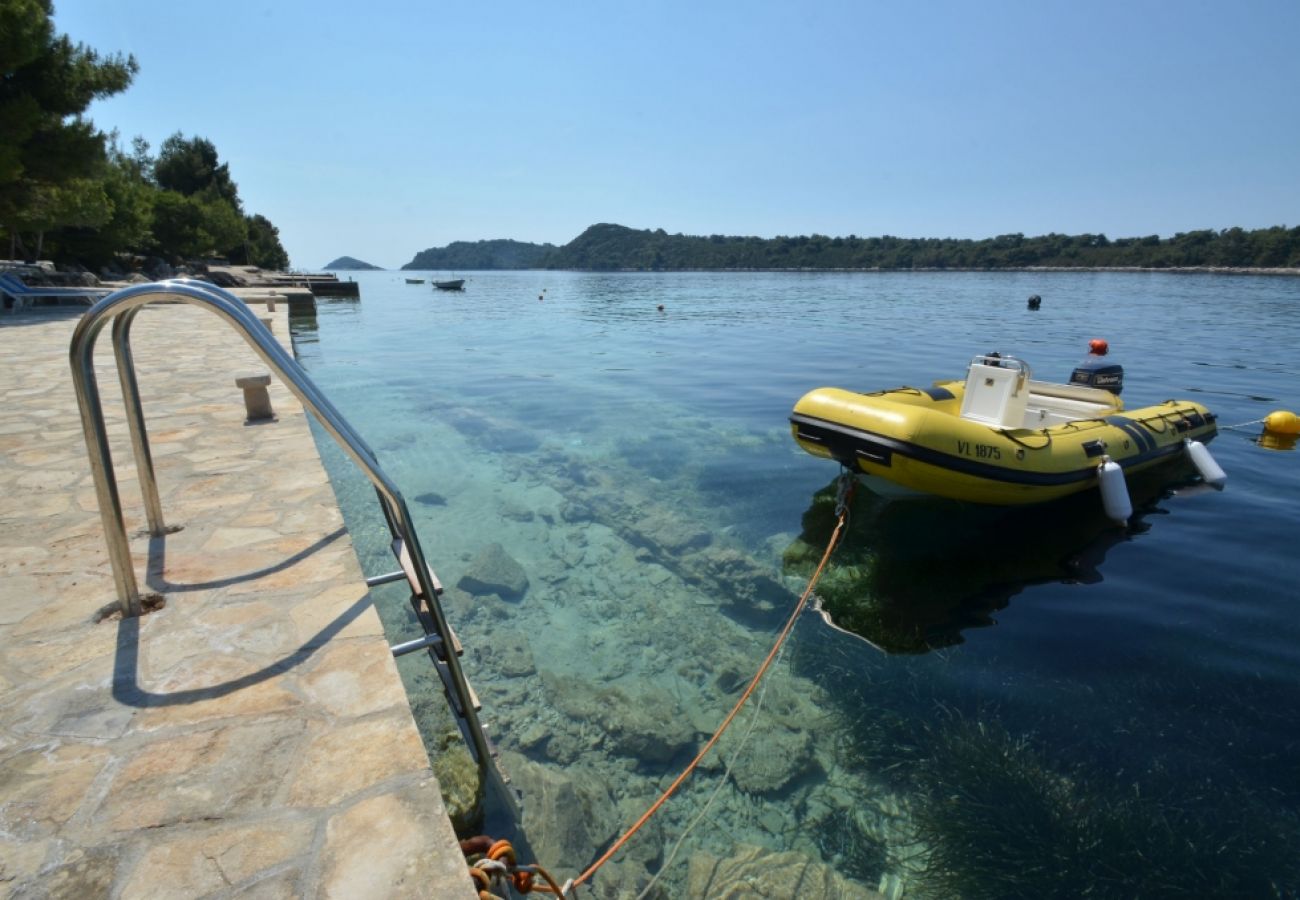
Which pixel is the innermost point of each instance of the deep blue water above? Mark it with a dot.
(1136, 691)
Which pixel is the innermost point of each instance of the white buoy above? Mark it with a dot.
(1210, 470)
(1114, 492)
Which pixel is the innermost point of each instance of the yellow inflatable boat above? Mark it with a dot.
(1000, 437)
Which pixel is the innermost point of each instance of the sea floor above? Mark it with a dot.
(641, 623)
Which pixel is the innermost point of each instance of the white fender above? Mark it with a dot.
(1210, 470)
(1114, 491)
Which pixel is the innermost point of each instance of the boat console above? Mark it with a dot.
(997, 391)
(1001, 392)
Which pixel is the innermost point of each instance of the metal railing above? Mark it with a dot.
(120, 308)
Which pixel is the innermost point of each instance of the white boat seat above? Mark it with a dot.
(995, 395)
(1082, 393)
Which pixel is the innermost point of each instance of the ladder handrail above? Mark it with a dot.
(120, 308)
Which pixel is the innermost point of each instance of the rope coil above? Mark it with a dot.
(495, 871)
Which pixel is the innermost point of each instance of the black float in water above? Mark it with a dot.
(1035, 301)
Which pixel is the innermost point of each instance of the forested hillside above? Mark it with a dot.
(617, 247)
(498, 254)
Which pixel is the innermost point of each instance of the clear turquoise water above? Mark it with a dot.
(1112, 711)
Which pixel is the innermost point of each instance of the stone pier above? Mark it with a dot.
(251, 737)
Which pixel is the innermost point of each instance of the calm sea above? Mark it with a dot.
(1042, 705)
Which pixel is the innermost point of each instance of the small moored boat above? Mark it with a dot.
(1001, 438)
(415, 281)
(457, 284)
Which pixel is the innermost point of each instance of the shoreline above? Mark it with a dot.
(1181, 270)
(1168, 270)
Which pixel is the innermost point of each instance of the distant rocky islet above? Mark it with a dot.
(350, 264)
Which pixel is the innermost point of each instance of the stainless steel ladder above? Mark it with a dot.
(120, 308)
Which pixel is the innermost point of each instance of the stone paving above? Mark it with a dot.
(250, 738)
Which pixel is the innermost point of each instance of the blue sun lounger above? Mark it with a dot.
(21, 294)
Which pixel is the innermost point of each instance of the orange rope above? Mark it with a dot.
(762, 670)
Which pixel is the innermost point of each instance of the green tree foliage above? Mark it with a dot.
(191, 166)
(146, 218)
(263, 247)
(78, 202)
(49, 155)
(197, 210)
(196, 226)
(128, 186)
(61, 177)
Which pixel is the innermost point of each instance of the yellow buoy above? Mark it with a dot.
(1282, 422)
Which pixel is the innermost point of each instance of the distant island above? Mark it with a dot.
(347, 262)
(498, 254)
(609, 247)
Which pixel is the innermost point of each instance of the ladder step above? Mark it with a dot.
(389, 578)
(429, 641)
(451, 693)
(404, 559)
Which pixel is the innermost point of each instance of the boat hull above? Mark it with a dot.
(914, 441)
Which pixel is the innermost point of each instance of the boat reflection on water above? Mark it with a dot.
(911, 576)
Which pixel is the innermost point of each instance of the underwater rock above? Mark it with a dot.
(516, 511)
(569, 549)
(458, 775)
(564, 746)
(740, 578)
(647, 849)
(672, 533)
(534, 736)
(731, 680)
(568, 815)
(575, 512)
(662, 532)
(620, 880)
(458, 604)
(509, 652)
(491, 434)
(773, 757)
(656, 454)
(494, 571)
(462, 788)
(657, 575)
(649, 726)
(756, 872)
(464, 608)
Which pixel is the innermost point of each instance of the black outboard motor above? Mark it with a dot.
(1098, 372)
(1035, 301)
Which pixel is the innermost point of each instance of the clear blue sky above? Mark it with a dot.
(377, 129)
